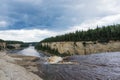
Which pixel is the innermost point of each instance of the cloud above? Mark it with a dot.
(26, 35)
(19, 17)
(93, 23)
(55, 14)
(109, 6)
(3, 24)
(29, 1)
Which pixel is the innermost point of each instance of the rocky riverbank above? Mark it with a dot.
(11, 68)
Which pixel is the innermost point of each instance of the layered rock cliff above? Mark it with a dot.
(10, 45)
(14, 46)
(2, 45)
(83, 47)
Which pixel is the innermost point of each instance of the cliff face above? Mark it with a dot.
(83, 48)
(16, 46)
(2, 45)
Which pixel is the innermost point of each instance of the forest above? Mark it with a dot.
(105, 33)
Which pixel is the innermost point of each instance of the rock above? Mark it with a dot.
(28, 62)
(5, 57)
(16, 46)
(54, 59)
(2, 45)
(9, 70)
(80, 48)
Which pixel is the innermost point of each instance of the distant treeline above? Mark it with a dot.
(11, 42)
(14, 42)
(2, 40)
(105, 33)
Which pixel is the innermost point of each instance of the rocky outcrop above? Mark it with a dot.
(83, 47)
(2, 45)
(10, 70)
(54, 59)
(15, 46)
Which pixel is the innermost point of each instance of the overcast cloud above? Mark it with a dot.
(34, 20)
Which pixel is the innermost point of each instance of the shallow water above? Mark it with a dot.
(30, 51)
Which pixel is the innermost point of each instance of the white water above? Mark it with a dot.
(30, 51)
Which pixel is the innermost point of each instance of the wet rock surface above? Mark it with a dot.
(105, 66)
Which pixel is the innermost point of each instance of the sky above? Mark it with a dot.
(35, 20)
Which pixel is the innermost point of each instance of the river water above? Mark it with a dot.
(30, 51)
(103, 66)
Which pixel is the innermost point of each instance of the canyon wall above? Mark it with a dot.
(16, 46)
(83, 48)
(2, 45)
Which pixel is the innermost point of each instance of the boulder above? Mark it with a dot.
(54, 59)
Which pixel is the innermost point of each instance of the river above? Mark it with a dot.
(103, 66)
(29, 51)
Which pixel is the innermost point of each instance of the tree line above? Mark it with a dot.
(14, 42)
(105, 33)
